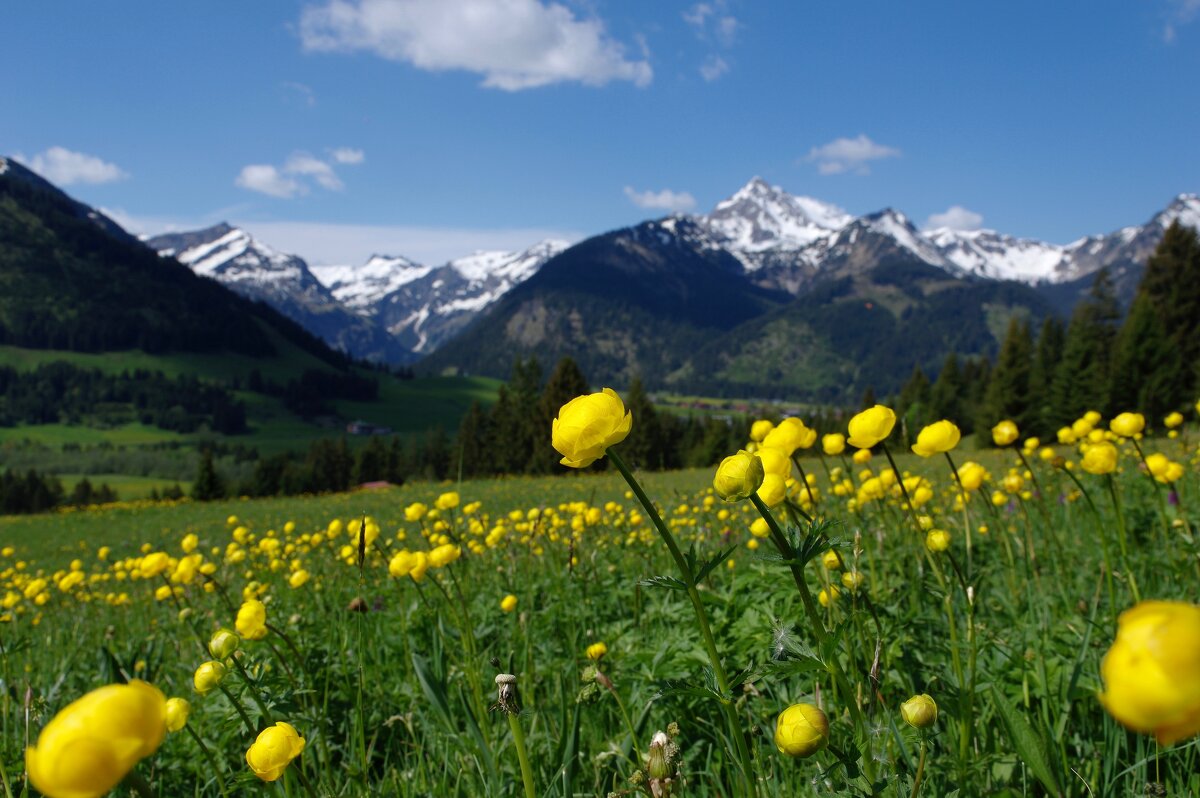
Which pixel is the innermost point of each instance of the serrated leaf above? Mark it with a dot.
(669, 582)
(1030, 746)
(707, 567)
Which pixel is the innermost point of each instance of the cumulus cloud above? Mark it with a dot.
(849, 155)
(956, 217)
(349, 155)
(665, 200)
(1179, 12)
(65, 167)
(266, 179)
(713, 67)
(297, 174)
(514, 44)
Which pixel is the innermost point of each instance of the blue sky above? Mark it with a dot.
(430, 128)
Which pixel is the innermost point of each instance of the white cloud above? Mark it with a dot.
(956, 217)
(514, 44)
(1179, 12)
(349, 155)
(266, 179)
(665, 200)
(291, 180)
(301, 163)
(64, 167)
(301, 93)
(849, 155)
(697, 14)
(713, 67)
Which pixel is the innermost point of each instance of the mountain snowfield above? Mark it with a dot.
(781, 240)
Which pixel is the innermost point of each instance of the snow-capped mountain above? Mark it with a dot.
(362, 287)
(425, 310)
(232, 256)
(987, 253)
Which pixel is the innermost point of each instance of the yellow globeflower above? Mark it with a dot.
(1173, 420)
(446, 501)
(937, 540)
(587, 425)
(178, 710)
(920, 711)
(1005, 433)
(833, 444)
(222, 644)
(96, 740)
(862, 457)
(1152, 671)
(274, 750)
(1127, 424)
(444, 554)
(788, 436)
(1100, 458)
(252, 620)
(738, 476)
(596, 650)
(871, 426)
(941, 436)
(827, 597)
(773, 490)
(801, 730)
(508, 603)
(774, 461)
(972, 475)
(760, 428)
(154, 564)
(208, 676)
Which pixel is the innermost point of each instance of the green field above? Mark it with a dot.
(1005, 630)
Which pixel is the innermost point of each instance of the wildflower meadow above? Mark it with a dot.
(819, 615)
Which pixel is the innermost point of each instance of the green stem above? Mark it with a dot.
(212, 763)
(518, 734)
(1100, 533)
(1121, 535)
(238, 707)
(4, 778)
(920, 776)
(258, 700)
(710, 645)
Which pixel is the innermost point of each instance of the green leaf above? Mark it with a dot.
(707, 567)
(1030, 747)
(668, 582)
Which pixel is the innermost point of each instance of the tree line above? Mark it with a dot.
(1146, 361)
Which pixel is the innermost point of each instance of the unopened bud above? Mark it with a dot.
(657, 764)
(223, 643)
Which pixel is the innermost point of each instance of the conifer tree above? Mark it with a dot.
(913, 403)
(565, 383)
(947, 394)
(1081, 381)
(1045, 363)
(1008, 394)
(208, 484)
(470, 446)
(644, 446)
(1147, 369)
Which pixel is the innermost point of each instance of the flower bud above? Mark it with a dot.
(208, 676)
(178, 710)
(1100, 458)
(937, 540)
(738, 476)
(760, 428)
(1005, 433)
(936, 438)
(801, 730)
(833, 444)
(871, 426)
(657, 766)
(223, 644)
(1128, 424)
(920, 711)
(588, 425)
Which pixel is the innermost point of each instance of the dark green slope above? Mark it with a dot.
(635, 301)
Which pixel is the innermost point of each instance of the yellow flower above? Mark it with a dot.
(831, 560)
(1005, 433)
(420, 564)
(941, 436)
(222, 644)
(773, 490)
(1173, 420)
(178, 710)
(788, 436)
(1152, 671)
(274, 750)
(508, 603)
(587, 425)
(871, 426)
(738, 476)
(447, 501)
(759, 528)
(862, 457)
(1127, 424)
(833, 444)
(415, 511)
(596, 650)
(760, 428)
(154, 564)
(444, 554)
(1100, 458)
(298, 578)
(94, 741)
(920, 711)
(827, 597)
(937, 540)
(972, 475)
(252, 620)
(208, 676)
(774, 461)
(853, 580)
(801, 730)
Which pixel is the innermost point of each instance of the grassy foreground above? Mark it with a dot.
(387, 668)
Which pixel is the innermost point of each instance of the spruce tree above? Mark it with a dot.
(644, 446)
(1008, 394)
(913, 404)
(1147, 369)
(946, 396)
(1045, 364)
(566, 382)
(208, 485)
(470, 446)
(1081, 381)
